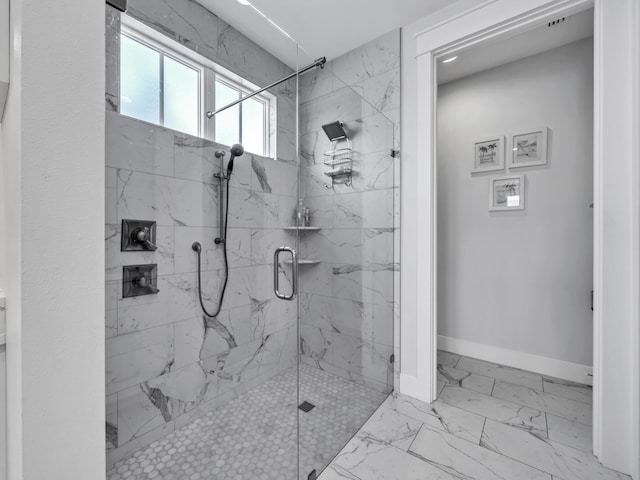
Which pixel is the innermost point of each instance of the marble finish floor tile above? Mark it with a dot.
(369, 458)
(573, 434)
(500, 372)
(439, 415)
(466, 460)
(552, 457)
(546, 402)
(503, 411)
(393, 427)
(256, 434)
(564, 388)
(462, 378)
(447, 359)
(468, 435)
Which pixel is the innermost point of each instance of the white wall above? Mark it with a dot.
(52, 138)
(519, 280)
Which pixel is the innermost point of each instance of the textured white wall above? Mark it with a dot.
(53, 161)
(519, 280)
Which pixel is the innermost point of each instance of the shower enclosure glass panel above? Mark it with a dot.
(187, 393)
(347, 265)
(268, 388)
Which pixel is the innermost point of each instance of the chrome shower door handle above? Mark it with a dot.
(276, 273)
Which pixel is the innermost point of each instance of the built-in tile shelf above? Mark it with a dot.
(307, 229)
(302, 262)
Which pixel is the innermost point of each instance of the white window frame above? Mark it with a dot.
(209, 72)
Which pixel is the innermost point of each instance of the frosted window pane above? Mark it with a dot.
(253, 126)
(181, 99)
(139, 81)
(227, 122)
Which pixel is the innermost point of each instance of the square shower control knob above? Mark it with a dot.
(139, 280)
(138, 235)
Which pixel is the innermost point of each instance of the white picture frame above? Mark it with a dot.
(528, 148)
(506, 192)
(488, 154)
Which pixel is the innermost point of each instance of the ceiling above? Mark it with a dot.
(502, 49)
(327, 28)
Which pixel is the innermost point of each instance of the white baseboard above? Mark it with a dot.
(524, 361)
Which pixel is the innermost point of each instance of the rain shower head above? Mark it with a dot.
(335, 131)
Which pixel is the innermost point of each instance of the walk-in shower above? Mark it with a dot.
(243, 361)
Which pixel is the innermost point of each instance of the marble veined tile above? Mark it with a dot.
(372, 283)
(447, 359)
(372, 323)
(383, 91)
(250, 209)
(378, 171)
(497, 409)
(393, 427)
(461, 378)
(111, 195)
(138, 146)
(169, 201)
(195, 158)
(370, 458)
(574, 434)
(187, 22)
(373, 58)
(335, 472)
(136, 414)
(500, 372)
(439, 415)
(547, 402)
(552, 457)
(567, 389)
(134, 358)
(466, 460)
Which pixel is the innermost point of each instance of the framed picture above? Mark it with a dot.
(488, 154)
(528, 148)
(506, 193)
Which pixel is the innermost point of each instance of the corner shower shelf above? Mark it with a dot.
(308, 229)
(302, 262)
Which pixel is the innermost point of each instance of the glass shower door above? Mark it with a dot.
(346, 265)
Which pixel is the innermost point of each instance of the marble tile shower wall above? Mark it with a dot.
(166, 364)
(349, 304)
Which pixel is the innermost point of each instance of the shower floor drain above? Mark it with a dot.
(306, 406)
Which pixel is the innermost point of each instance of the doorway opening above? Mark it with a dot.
(514, 223)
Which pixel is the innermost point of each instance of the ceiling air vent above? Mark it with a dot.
(556, 22)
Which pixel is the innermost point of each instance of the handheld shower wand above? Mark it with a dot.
(236, 150)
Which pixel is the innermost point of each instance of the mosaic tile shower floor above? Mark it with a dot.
(254, 435)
